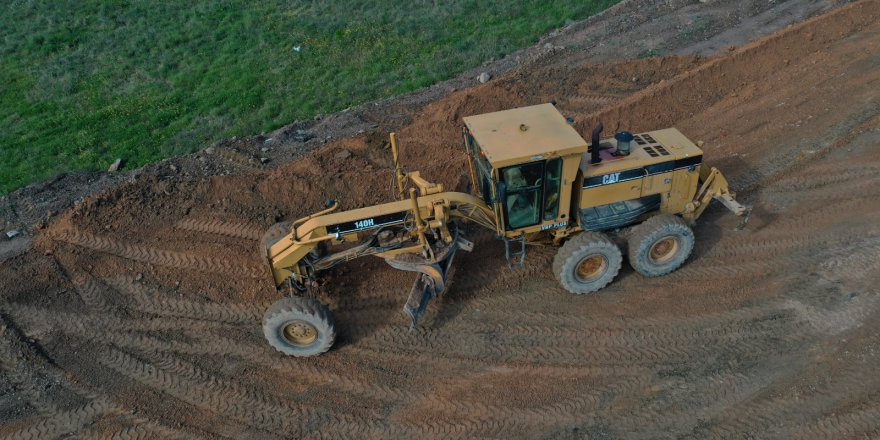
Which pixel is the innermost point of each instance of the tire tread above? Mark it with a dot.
(305, 308)
(658, 224)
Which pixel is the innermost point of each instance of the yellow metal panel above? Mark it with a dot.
(524, 134)
(657, 184)
(678, 146)
(570, 166)
(682, 190)
(605, 194)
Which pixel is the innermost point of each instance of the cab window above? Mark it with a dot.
(524, 189)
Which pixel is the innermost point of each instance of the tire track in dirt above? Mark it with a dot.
(594, 99)
(142, 430)
(245, 231)
(189, 384)
(161, 257)
(153, 301)
(474, 418)
(623, 348)
(205, 342)
(713, 394)
(67, 421)
(99, 327)
(90, 291)
(821, 176)
(744, 268)
(762, 414)
(56, 420)
(853, 423)
(15, 368)
(784, 242)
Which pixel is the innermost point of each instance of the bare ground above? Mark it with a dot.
(136, 312)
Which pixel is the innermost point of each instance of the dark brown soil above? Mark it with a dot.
(136, 313)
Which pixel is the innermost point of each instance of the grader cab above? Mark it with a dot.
(534, 179)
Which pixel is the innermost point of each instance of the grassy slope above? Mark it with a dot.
(84, 82)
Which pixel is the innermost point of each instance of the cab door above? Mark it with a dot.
(524, 193)
(533, 193)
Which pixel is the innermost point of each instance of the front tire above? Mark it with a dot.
(273, 234)
(300, 327)
(660, 245)
(587, 262)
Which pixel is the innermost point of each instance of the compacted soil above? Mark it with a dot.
(135, 312)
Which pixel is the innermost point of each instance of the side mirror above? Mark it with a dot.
(500, 192)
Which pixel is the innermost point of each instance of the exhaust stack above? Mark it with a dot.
(594, 145)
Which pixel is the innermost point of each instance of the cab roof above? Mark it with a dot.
(524, 134)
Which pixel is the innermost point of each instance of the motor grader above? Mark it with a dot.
(533, 180)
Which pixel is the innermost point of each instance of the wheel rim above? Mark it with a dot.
(299, 333)
(664, 249)
(591, 267)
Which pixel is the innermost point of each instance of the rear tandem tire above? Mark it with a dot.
(587, 262)
(660, 245)
(300, 327)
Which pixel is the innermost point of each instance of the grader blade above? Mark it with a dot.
(431, 281)
(429, 284)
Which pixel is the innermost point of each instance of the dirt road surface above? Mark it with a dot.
(135, 314)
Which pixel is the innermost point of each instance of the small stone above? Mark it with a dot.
(269, 141)
(209, 150)
(173, 168)
(635, 79)
(302, 136)
(484, 77)
(47, 252)
(264, 159)
(139, 277)
(13, 233)
(343, 154)
(264, 149)
(115, 166)
(50, 213)
(548, 45)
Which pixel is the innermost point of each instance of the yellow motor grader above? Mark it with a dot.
(533, 179)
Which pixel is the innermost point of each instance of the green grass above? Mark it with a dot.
(84, 82)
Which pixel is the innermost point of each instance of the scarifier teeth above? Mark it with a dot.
(745, 220)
